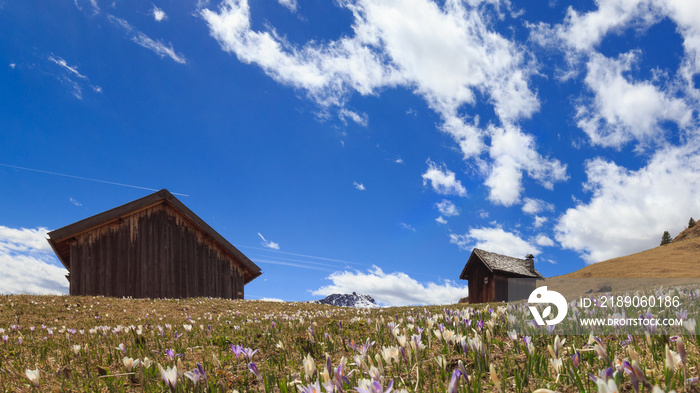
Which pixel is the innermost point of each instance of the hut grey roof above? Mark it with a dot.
(502, 263)
(60, 238)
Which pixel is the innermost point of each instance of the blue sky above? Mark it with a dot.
(354, 145)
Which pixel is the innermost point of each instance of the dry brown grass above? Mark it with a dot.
(679, 261)
(675, 260)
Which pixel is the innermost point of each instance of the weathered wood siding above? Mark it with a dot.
(154, 253)
(478, 291)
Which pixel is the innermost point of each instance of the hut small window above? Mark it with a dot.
(486, 280)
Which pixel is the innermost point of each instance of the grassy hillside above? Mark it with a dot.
(678, 259)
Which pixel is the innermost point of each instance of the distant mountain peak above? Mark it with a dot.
(349, 300)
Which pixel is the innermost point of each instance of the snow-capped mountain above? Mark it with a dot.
(345, 300)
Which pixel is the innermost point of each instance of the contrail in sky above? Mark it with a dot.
(86, 178)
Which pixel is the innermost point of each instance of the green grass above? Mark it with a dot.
(80, 344)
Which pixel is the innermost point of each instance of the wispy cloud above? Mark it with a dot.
(360, 119)
(392, 289)
(289, 4)
(268, 244)
(407, 226)
(156, 46)
(359, 186)
(75, 202)
(28, 263)
(72, 77)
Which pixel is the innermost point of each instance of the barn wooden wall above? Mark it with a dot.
(478, 292)
(154, 253)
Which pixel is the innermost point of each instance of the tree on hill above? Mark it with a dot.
(691, 223)
(666, 238)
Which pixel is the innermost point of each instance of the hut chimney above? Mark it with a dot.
(530, 261)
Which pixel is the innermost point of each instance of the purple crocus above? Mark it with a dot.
(454, 382)
(170, 353)
(237, 350)
(254, 369)
(196, 374)
(248, 352)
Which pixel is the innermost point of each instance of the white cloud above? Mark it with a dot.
(268, 244)
(75, 202)
(441, 220)
(13, 65)
(28, 263)
(544, 241)
(495, 240)
(289, 4)
(539, 221)
(271, 299)
(158, 14)
(629, 210)
(623, 110)
(358, 186)
(514, 152)
(443, 180)
(447, 208)
(584, 32)
(443, 53)
(392, 289)
(534, 206)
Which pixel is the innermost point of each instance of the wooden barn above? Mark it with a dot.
(152, 247)
(494, 277)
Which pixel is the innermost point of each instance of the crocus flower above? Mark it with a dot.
(454, 382)
(309, 366)
(494, 377)
(689, 325)
(315, 388)
(237, 350)
(248, 352)
(170, 353)
(254, 369)
(196, 374)
(146, 362)
(672, 359)
(33, 376)
(130, 363)
(169, 376)
(122, 348)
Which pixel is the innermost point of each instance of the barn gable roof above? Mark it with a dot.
(501, 263)
(60, 238)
